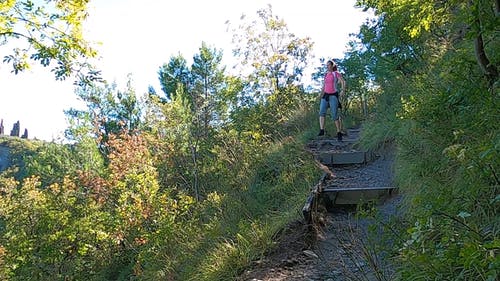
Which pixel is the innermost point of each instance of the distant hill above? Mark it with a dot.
(4, 157)
(13, 150)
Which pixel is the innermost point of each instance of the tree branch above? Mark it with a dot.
(461, 223)
(14, 34)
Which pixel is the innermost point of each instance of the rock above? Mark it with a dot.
(25, 134)
(310, 254)
(15, 129)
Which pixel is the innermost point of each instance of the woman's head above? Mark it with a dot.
(331, 65)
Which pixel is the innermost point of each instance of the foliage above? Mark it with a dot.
(88, 226)
(439, 102)
(266, 195)
(109, 111)
(17, 150)
(122, 224)
(208, 84)
(188, 121)
(173, 75)
(48, 33)
(276, 57)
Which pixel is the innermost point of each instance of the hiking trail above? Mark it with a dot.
(333, 241)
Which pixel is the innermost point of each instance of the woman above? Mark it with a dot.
(330, 97)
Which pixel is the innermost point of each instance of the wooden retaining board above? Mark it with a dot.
(308, 207)
(343, 158)
(312, 199)
(354, 130)
(355, 195)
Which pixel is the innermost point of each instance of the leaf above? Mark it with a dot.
(464, 214)
(486, 153)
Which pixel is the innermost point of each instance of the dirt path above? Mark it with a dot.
(339, 247)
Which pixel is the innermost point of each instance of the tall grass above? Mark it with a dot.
(271, 195)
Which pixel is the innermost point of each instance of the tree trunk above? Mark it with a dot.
(489, 69)
(195, 172)
(363, 105)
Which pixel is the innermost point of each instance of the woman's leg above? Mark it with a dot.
(336, 116)
(322, 113)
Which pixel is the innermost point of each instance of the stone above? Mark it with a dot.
(310, 254)
(15, 129)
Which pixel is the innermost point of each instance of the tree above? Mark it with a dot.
(275, 57)
(48, 33)
(208, 84)
(173, 75)
(199, 101)
(271, 62)
(451, 22)
(109, 111)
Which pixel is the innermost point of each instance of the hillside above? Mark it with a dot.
(13, 151)
(4, 157)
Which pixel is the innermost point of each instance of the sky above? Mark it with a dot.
(136, 37)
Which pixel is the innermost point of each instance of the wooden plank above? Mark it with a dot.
(347, 140)
(307, 209)
(353, 131)
(355, 195)
(337, 189)
(344, 158)
(332, 142)
(325, 158)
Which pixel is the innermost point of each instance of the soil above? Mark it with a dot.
(341, 244)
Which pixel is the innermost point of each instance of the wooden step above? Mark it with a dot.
(343, 158)
(356, 195)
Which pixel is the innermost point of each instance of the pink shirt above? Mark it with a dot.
(330, 83)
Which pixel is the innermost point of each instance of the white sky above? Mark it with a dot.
(138, 36)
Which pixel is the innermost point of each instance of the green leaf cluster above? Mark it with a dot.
(48, 33)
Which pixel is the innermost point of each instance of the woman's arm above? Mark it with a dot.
(343, 83)
(322, 90)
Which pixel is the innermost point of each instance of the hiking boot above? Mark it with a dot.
(321, 133)
(339, 136)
